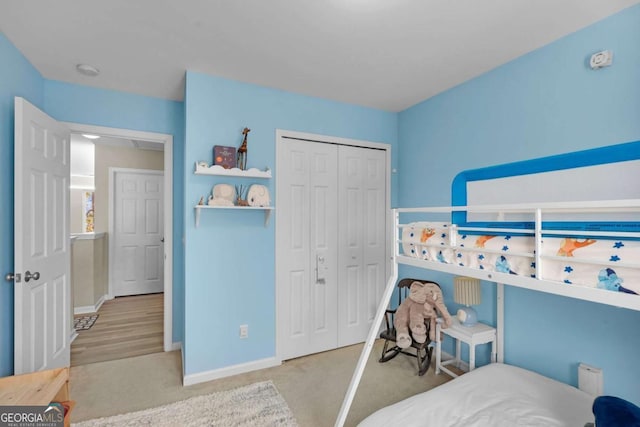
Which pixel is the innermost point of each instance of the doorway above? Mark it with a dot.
(42, 163)
(152, 143)
(331, 252)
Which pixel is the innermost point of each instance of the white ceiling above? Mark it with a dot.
(386, 54)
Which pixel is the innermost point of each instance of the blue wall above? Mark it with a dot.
(538, 105)
(83, 104)
(544, 103)
(229, 259)
(17, 78)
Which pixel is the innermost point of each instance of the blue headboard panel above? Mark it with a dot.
(620, 164)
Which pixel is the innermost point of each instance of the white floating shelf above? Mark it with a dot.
(219, 170)
(267, 211)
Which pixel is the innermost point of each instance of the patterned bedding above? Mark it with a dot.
(593, 262)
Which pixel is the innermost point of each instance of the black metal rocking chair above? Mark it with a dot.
(423, 351)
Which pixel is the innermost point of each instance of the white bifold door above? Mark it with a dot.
(331, 263)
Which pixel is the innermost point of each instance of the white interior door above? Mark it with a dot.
(307, 240)
(361, 245)
(138, 253)
(42, 241)
(331, 251)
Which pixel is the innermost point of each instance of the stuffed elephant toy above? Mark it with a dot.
(423, 301)
(433, 306)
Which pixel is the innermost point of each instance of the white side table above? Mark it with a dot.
(472, 335)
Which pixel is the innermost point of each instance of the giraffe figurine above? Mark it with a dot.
(242, 151)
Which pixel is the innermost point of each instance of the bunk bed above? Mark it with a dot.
(583, 249)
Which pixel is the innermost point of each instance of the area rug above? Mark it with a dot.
(83, 323)
(258, 404)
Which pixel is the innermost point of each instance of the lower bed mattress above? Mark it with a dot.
(495, 395)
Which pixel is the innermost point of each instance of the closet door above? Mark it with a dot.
(361, 240)
(307, 241)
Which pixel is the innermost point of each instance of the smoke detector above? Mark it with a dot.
(601, 59)
(87, 70)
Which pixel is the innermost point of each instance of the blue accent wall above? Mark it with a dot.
(87, 105)
(547, 102)
(17, 78)
(229, 259)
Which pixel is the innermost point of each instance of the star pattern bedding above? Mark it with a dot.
(591, 262)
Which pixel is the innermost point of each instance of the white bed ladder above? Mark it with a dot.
(373, 333)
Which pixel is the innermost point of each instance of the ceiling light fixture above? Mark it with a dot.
(89, 136)
(87, 70)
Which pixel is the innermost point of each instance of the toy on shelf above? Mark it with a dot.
(242, 151)
(222, 195)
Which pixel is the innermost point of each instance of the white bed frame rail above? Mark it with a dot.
(537, 211)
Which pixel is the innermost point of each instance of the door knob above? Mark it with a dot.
(10, 277)
(29, 275)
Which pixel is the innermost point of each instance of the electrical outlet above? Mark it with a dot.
(244, 331)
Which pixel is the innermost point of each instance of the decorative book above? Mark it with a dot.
(224, 156)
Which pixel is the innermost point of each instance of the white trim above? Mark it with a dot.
(90, 308)
(88, 236)
(167, 140)
(325, 139)
(230, 371)
(176, 346)
(183, 362)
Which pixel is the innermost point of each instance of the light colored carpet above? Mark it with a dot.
(257, 404)
(313, 386)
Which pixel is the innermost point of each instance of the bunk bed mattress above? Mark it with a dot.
(580, 261)
(494, 395)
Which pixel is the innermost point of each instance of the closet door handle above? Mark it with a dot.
(320, 269)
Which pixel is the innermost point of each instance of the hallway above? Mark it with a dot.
(126, 327)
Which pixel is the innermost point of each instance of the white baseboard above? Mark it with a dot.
(175, 346)
(90, 308)
(242, 368)
(72, 336)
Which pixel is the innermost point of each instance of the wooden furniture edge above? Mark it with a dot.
(36, 388)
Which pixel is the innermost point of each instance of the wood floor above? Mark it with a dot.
(126, 327)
